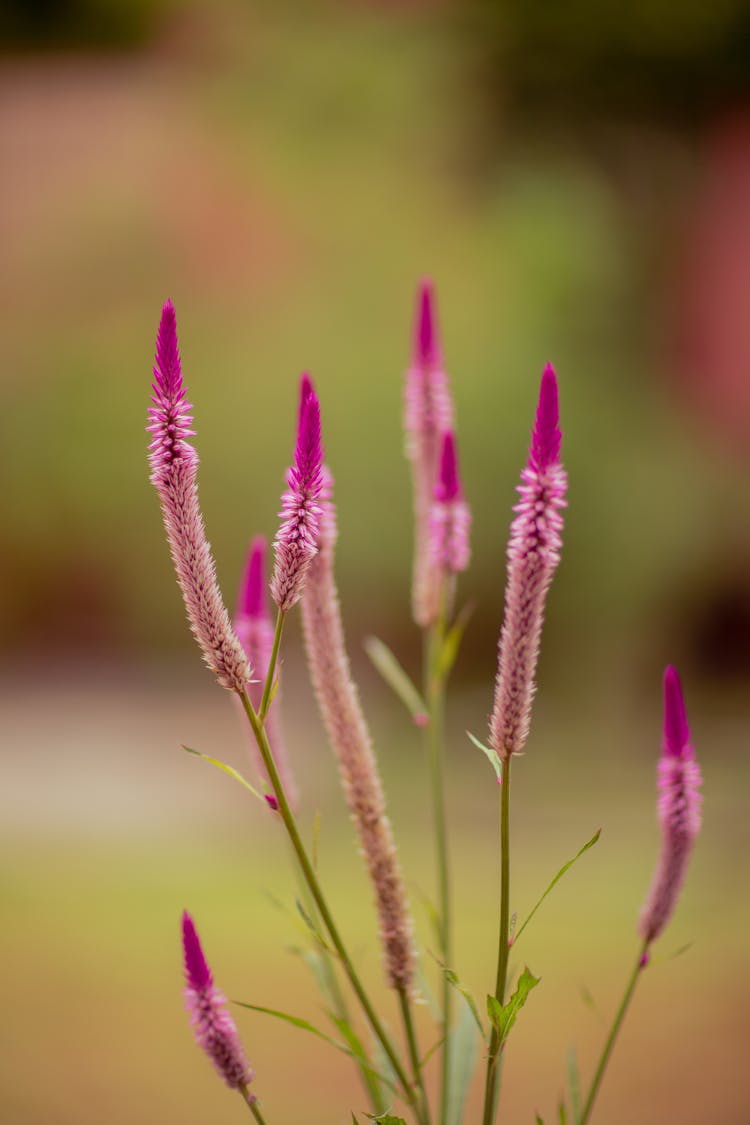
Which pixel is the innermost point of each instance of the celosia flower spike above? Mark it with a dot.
(679, 811)
(296, 542)
(253, 626)
(428, 415)
(450, 518)
(214, 1029)
(533, 555)
(349, 736)
(174, 467)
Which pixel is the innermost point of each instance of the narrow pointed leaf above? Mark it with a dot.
(565, 867)
(492, 755)
(452, 642)
(357, 1049)
(503, 1016)
(463, 1059)
(562, 1113)
(310, 923)
(296, 1021)
(453, 980)
(431, 1051)
(387, 1119)
(538, 1119)
(574, 1084)
(397, 678)
(233, 773)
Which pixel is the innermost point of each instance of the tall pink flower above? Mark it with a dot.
(174, 467)
(450, 518)
(679, 811)
(253, 626)
(428, 415)
(349, 735)
(296, 541)
(214, 1029)
(533, 555)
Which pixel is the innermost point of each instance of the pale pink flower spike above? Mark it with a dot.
(174, 468)
(533, 556)
(679, 811)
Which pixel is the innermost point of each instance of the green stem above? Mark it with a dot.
(263, 709)
(253, 1105)
(312, 881)
(435, 698)
(612, 1037)
(491, 1089)
(411, 1040)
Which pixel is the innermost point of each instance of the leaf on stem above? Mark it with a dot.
(452, 641)
(386, 1119)
(357, 1049)
(565, 867)
(310, 923)
(233, 773)
(503, 1016)
(462, 1060)
(453, 980)
(397, 679)
(492, 756)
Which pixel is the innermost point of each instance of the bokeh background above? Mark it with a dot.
(576, 180)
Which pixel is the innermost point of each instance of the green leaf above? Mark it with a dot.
(358, 1051)
(452, 641)
(233, 773)
(462, 1060)
(574, 1083)
(453, 980)
(354, 1120)
(503, 1016)
(538, 1119)
(304, 1025)
(310, 923)
(492, 755)
(431, 1051)
(565, 867)
(562, 1113)
(386, 1119)
(397, 678)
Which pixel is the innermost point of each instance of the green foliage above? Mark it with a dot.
(503, 1016)
(233, 773)
(452, 642)
(463, 1058)
(492, 756)
(565, 867)
(396, 677)
(453, 980)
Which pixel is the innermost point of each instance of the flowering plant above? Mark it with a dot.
(244, 657)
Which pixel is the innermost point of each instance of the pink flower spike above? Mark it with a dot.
(450, 518)
(678, 808)
(296, 542)
(174, 468)
(428, 414)
(214, 1029)
(533, 556)
(546, 437)
(254, 628)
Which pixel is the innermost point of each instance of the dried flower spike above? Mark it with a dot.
(214, 1028)
(450, 518)
(679, 811)
(428, 415)
(296, 542)
(174, 467)
(253, 626)
(533, 555)
(349, 736)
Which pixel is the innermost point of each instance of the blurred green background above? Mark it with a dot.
(576, 182)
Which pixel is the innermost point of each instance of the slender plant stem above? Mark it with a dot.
(411, 1040)
(331, 983)
(264, 703)
(612, 1037)
(435, 733)
(491, 1089)
(312, 881)
(252, 1105)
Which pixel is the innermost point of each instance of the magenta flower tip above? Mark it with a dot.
(309, 451)
(676, 729)
(252, 602)
(546, 436)
(197, 973)
(271, 801)
(426, 349)
(449, 485)
(167, 370)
